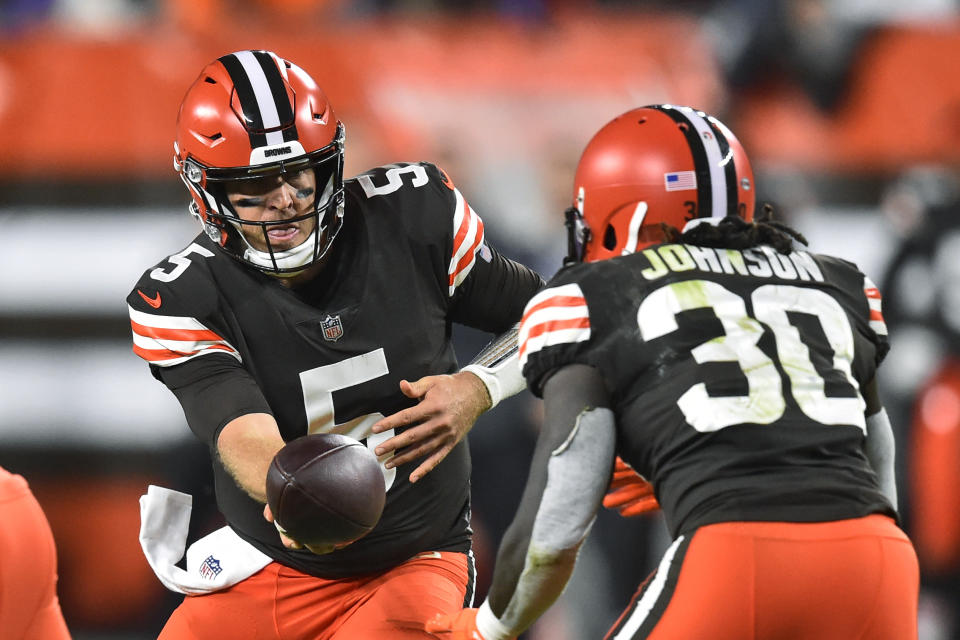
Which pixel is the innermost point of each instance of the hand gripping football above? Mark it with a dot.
(325, 489)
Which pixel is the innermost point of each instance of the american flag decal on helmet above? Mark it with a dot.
(467, 241)
(169, 340)
(267, 107)
(554, 316)
(875, 301)
(716, 171)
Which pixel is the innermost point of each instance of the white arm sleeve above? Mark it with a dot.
(577, 479)
(881, 453)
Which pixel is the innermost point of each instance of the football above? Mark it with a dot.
(325, 489)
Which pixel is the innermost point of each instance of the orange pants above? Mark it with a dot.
(29, 607)
(845, 580)
(281, 603)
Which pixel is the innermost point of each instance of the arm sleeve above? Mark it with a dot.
(213, 390)
(880, 444)
(568, 478)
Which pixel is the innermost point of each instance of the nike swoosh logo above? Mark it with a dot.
(153, 302)
(446, 179)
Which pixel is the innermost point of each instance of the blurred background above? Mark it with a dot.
(849, 110)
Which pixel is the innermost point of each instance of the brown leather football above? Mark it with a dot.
(325, 489)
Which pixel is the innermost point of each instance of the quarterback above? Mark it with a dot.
(310, 303)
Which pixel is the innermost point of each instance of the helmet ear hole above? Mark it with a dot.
(610, 238)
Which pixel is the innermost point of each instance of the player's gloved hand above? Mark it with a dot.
(628, 492)
(447, 408)
(461, 625)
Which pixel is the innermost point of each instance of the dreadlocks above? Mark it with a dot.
(734, 232)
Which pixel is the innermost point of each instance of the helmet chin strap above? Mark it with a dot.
(299, 256)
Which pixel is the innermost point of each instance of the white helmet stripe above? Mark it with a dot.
(715, 162)
(263, 95)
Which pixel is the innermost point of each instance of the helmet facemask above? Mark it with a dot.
(239, 236)
(250, 123)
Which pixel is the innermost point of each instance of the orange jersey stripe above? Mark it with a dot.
(469, 256)
(557, 325)
(556, 301)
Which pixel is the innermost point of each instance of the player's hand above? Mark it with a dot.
(448, 407)
(290, 543)
(629, 493)
(461, 625)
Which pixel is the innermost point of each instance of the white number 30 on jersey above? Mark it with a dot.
(765, 402)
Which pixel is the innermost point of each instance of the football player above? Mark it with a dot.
(734, 372)
(311, 303)
(29, 607)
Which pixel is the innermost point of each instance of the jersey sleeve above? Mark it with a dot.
(213, 391)
(483, 289)
(554, 332)
(179, 330)
(487, 290)
(863, 302)
(176, 319)
(875, 318)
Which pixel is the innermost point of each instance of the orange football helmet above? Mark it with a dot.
(652, 165)
(249, 115)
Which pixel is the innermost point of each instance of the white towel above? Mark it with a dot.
(218, 560)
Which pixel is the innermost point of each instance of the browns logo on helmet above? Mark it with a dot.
(658, 164)
(252, 115)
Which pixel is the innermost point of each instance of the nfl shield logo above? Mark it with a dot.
(332, 328)
(210, 568)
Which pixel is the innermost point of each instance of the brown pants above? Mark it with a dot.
(845, 580)
(28, 567)
(280, 602)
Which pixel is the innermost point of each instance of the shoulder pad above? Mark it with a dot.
(387, 179)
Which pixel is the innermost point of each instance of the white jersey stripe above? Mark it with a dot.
(165, 322)
(261, 89)
(168, 352)
(550, 338)
(550, 314)
(465, 248)
(650, 596)
(558, 315)
(715, 160)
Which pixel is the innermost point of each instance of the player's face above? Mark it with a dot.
(276, 199)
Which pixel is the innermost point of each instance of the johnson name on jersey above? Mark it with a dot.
(735, 376)
(328, 356)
